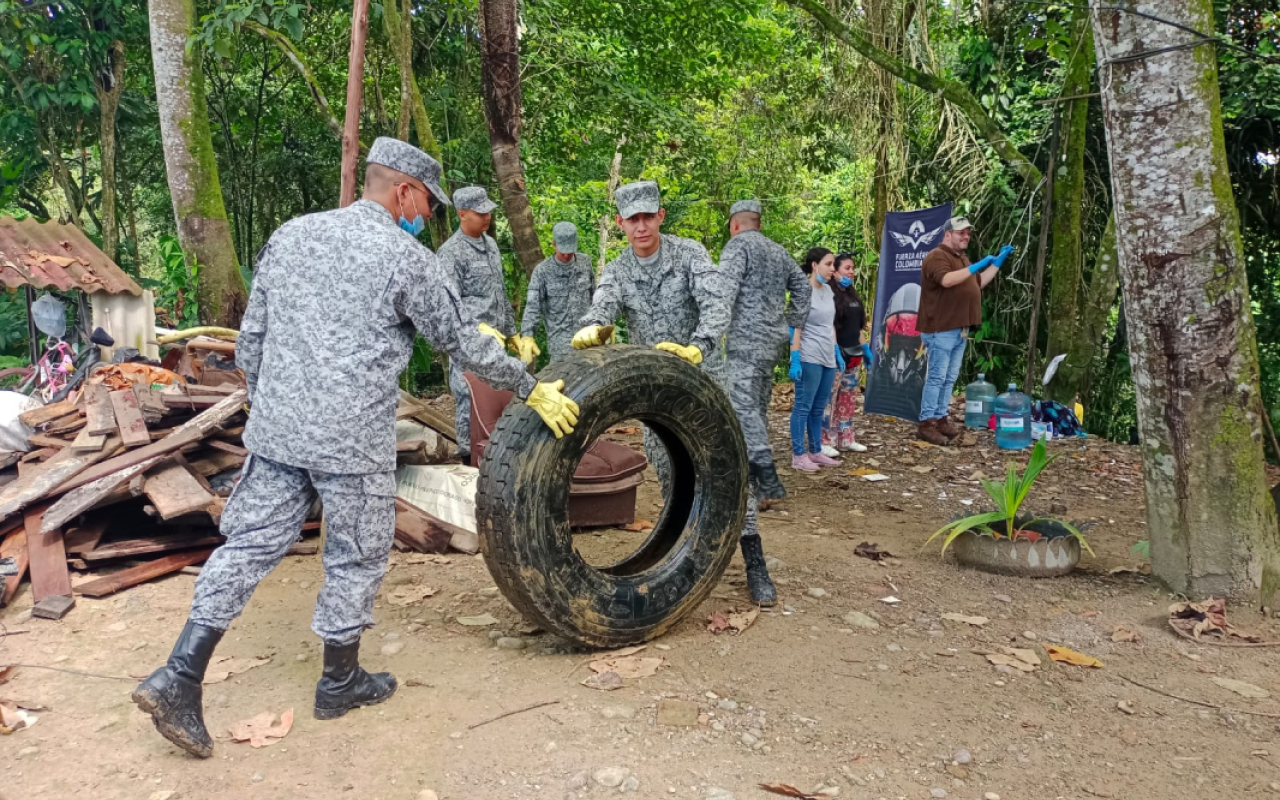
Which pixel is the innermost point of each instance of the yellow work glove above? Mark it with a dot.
(489, 330)
(526, 348)
(592, 336)
(559, 412)
(688, 352)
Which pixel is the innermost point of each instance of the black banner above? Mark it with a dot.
(896, 382)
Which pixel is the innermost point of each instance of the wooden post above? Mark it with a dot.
(355, 99)
(1046, 214)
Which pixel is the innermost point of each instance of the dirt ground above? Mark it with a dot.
(904, 710)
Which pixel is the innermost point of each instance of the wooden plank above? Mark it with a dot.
(142, 573)
(192, 400)
(45, 440)
(83, 538)
(88, 442)
(47, 558)
(43, 479)
(227, 447)
(64, 425)
(174, 491)
(133, 428)
(39, 416)
(99, 416)
(147, 545)
(14, 546)
(214, 463)
(77, 501)
(191, 431)
(416, 528)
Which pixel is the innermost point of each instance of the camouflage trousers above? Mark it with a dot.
(461, 408)
(748, 380)
(265, 515)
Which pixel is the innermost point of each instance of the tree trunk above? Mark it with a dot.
(1066, 261)
(1103, 283)
(399, 30)
(191, 166)
(109, 85)
(606, 220)
(355, 101)
(1194, 357)
(500, 70)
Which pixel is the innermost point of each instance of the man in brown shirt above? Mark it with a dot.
(950, 304)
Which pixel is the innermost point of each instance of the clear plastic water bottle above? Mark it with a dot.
(979, 397)
(1013, 420)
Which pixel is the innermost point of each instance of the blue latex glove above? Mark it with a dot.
(999, 258)
(794, 372)
(867, 358)
(979, 266)
(839, 360)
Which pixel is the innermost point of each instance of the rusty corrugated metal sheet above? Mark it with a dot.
(52, 255)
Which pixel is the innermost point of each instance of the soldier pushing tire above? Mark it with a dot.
(522, 499)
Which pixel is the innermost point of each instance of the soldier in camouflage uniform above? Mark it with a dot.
(762, 272)
(559, 293)
(669, 290)
(330, 325)
(470, 256)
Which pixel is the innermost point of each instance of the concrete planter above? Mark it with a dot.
(1045, 558)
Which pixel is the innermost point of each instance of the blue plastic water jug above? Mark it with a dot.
(1013, 420)
(979, 398)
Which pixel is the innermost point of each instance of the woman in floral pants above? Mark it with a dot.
(851, 319)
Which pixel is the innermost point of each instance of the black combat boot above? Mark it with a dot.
(758, 582)
(345, 684)
(767, 482)
(172, 694)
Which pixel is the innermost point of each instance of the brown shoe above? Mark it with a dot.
(949, 428)
(929, 432)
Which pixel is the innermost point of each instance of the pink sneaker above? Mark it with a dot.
(823, 460)
(803, 463)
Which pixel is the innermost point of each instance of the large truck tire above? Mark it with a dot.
(522, 499)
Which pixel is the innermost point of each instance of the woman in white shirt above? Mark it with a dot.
(814, 361)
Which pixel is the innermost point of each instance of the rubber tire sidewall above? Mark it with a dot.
(523, 492)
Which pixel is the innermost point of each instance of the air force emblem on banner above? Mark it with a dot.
(916, 237)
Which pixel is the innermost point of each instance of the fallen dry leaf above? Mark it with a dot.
(408, 595)
(263, 729)
(1123, 634)
(224, 667)
(872, 551)
(922, 469)
(920, 444)
(1243, 689)
(1206, 621)
(628, 667)
(1010, 661)
(734, 621)
(1068, 656)
(1023, 655)
(604, 681)
(860, 471)
(977, 621)
(638, 526)
(478, 621)
(13, 718)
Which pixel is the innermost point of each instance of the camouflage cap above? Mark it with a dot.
(641, 197)
(404, 157)
(751, 205)
(956, 224)
(566, 236)
(474, 198)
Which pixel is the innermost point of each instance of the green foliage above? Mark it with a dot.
(1008, 498)
(177, 303)
(14, 342)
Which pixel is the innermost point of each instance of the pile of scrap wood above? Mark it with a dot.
(127, 480)
(133, 471)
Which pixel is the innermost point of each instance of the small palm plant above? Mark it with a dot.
(1008, 498)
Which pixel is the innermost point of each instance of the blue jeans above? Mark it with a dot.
(812, 393)
(946, 354)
